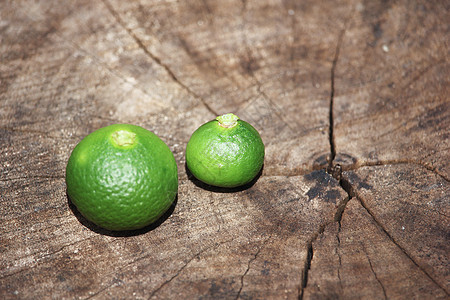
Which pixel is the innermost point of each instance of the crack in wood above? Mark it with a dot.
(257, 82)
(335, 171)
(431, 65)
(247, 101)
(103, 65)
(156, 59)
(373, 271)
(277, 109)
(338, 216)
(308, 260)
(338, 252)
(340, 210)
(186, 264)
(307, 267)
(151, 254)
(405, 161)
(43, 256)
(380, 114)
(67, 245)
(174, 276)
(391, 238)
(344, 182)
(113, 283)
(332, 93)
(352, 193)
(248, 265)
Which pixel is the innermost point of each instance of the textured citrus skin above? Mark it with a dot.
(122, 187)
(225, 157)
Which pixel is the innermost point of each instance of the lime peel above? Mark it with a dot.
(225, 157)
(122, 177)
(227, 120)
(123, 138)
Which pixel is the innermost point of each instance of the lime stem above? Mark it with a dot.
(227, 120)
(124, 138)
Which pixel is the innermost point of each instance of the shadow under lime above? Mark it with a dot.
(124, 233)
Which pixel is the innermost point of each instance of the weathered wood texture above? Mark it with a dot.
(351, 99)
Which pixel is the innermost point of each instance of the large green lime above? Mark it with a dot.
(225, 152)
(122, 177)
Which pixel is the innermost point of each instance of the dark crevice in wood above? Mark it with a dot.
(352, 193)
(156, 59)
(338, 252)
(340, 211)
(332, 93)
(308, 260)
(335, 171)
(306, 268)
(391, 238)
(345, 185)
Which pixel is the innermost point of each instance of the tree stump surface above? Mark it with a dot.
(351, 99)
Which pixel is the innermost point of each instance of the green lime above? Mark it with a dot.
(122, 177)
(225, 152)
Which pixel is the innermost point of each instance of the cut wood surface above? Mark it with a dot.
(351, 99)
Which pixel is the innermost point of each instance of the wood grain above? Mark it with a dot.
(350, 98)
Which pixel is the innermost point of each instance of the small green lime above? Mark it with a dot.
(122, 177)
(225, 152)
